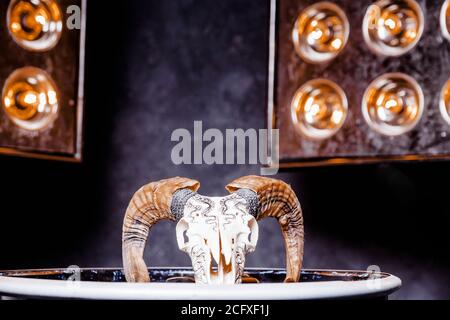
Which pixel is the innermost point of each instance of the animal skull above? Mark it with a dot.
(219, 230)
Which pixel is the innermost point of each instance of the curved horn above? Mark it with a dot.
(268, 197)
(151, 203)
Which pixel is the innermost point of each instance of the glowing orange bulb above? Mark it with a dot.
(319, 109)
(393, 104)
(392, 28)
(35, 25)
(29, 98)
(320, 32)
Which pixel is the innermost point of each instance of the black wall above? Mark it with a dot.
(155, 66)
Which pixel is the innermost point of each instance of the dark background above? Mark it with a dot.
(155, 66)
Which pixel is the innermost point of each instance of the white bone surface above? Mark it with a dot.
(217, 231)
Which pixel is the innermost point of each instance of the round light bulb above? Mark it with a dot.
(35, 25)
(392, 28)
(319, 109)
(393, 104)
(444, 102)
(30, 98)
(445, 20)
(320, 32)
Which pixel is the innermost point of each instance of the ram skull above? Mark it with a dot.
(220, 230)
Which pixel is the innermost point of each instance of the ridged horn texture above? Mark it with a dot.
(149, 204)
(276, 198)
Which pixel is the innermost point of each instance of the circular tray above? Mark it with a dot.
(176, 284)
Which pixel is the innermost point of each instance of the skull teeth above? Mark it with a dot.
(219, 230)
